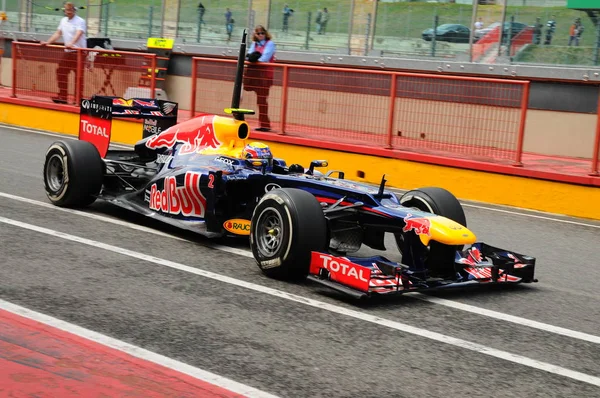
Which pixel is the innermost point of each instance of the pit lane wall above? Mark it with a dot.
(528, 193)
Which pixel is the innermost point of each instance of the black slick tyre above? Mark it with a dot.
(439, 257)
(287, 225)
(73, 173)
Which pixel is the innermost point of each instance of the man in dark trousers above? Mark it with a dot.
(72, 29)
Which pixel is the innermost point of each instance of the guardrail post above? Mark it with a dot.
(153, 79)
(595, 159)
(520, 139)
(391, 111)
(15, 58)
(194, 79)
(436, 21)
(79, 77)
(284, 98)
(306, 43)
(150, 20)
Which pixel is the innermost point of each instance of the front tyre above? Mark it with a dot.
(73, 173)
(438, 258)
(287, 225)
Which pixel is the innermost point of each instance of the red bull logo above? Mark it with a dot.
(199, 136)
(420, 225)
(122, 102)
(186, 200)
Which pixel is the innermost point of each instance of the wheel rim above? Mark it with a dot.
(269, 232)
(55, 173)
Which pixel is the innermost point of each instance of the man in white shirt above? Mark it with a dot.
(479, 24)
(72, 29)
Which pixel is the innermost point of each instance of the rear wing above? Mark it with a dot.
(96, 114)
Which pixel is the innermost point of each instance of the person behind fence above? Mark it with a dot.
(72, 29)
(479, 24)
(537, 31)
(201, 11)
(287, 13)
(321, 20)
(229, 23)
(550, 29)
(575, 32)
(259, 78)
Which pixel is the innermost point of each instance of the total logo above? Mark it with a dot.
(237, 226)
(90, 128)
(186, 200)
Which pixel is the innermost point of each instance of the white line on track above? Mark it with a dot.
(479, 348)
(121, 223)
(245, 253)
(137, 352)
(540, 217)
(510, 318)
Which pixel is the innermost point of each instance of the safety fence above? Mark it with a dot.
(67, 75)
(377, 28)
(443, 115)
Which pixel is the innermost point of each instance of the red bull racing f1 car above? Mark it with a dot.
(206, 175)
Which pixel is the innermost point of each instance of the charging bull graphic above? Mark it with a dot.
(420, 225)
(195, 134)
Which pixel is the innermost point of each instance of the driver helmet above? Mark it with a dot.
(258, 150)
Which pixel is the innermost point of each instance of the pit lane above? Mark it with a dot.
(285, 347)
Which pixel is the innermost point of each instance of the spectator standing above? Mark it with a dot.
(229, 23)
(287, 13)
(537, 31)
(259, 75)
(201, 11)
(72, 29)
(318, 20)
(479, 24)
(324, 18)
(550, 29)
(575, 32)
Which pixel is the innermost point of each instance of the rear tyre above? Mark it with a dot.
(73, 173)
(287, 225)
(439, 258)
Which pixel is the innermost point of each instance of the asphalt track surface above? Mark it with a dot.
(206, 304)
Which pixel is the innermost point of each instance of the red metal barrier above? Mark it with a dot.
(523, 38)
(86, 72)
(437, 114)
(485, 43)
(596, 150)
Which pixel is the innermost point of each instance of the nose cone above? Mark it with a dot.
(448, 232)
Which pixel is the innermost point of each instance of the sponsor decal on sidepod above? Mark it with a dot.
(237, 226)
(186, 199)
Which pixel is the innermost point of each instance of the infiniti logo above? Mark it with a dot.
(271, 186)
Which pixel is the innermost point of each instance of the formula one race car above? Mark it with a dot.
(205, 175)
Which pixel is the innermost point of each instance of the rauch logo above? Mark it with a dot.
(237, 226)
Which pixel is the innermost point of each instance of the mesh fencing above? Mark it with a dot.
(51, 73)
(443, 115)
(362, 27)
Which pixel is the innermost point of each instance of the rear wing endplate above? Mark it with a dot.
(96, 114)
